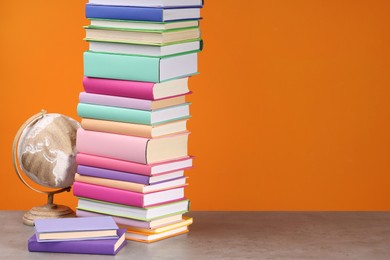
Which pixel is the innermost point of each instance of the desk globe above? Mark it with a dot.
(44, 149)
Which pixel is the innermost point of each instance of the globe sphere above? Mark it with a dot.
(47, 151)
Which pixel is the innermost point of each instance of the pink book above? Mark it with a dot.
(131, 167)
(125, 197)
(131, 148)
(136, 89)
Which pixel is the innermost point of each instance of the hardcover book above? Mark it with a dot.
(143, 214)
(186, 221)
(131, 186)
(136, 116)
(131, 148)
(131, 167)
(155, 14)
(136, 89)
(154, 37)
(141, 25)
(149, 3)
(152, 224)
(139, 68)
(126, 176)
(160, 51)
(100, 247)
(63, 229)
(150, 238)
(125, 197)
(122, 128)
(131, 103)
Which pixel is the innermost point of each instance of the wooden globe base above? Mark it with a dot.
(47, 211)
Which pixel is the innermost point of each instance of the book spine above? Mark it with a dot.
(74, 247)
(117, 165)
(124, 13)
(122, 88)
(122, 147)
(125, 67)
(114, 175)
(113, 101)
(108, 194)
(114, 114)
(117, 127)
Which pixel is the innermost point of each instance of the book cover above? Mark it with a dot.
(100, 247)
(152, 224)
(131, 103)
(131, 167)
(132, 186)
(151, 213)
(131, 148)
(126, 176)
(139, 68)
(61, 229)
(186, 221)
(150, 238)
(149, 3)
(129, 198)
(123, 128)
(155, 14)
(135, 89)
(135, 116)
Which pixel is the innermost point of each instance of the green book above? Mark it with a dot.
(134, 116)
(139, 68)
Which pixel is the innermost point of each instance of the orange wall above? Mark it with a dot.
(291, 110)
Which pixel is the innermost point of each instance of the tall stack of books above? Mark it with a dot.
(133, 144)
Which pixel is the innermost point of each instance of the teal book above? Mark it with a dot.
(134, 116)
(139, 68)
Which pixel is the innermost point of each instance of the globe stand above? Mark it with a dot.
(50, 210)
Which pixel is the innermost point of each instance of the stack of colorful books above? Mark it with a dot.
(133, 144)
(95, 235)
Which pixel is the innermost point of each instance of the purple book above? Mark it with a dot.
(125, 176)
(98, 247)
(55, 229)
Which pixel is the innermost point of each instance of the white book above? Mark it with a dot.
(141, 25)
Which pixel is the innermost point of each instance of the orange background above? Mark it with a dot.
(290, 111)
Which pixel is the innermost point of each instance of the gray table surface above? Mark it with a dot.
(240, 235)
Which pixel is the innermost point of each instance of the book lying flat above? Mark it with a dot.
(136, 89)
(100, 247)
(149, 3)
(154, 37)
(186, 221)
(131, 167)
(136, 116)
(139, 68)
(132, 48)
(147, 131)
(143, 214)
(142, 25)
(150, 238)
(153, 224)
(63, 229)
(131, 186)
(131, 148)
(131, 103)
(128, 177)
(156, 14)
(125, 197)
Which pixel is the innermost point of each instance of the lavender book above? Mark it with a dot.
(64, 229)
(100, 247)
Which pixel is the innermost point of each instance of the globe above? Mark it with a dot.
(44, 150)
